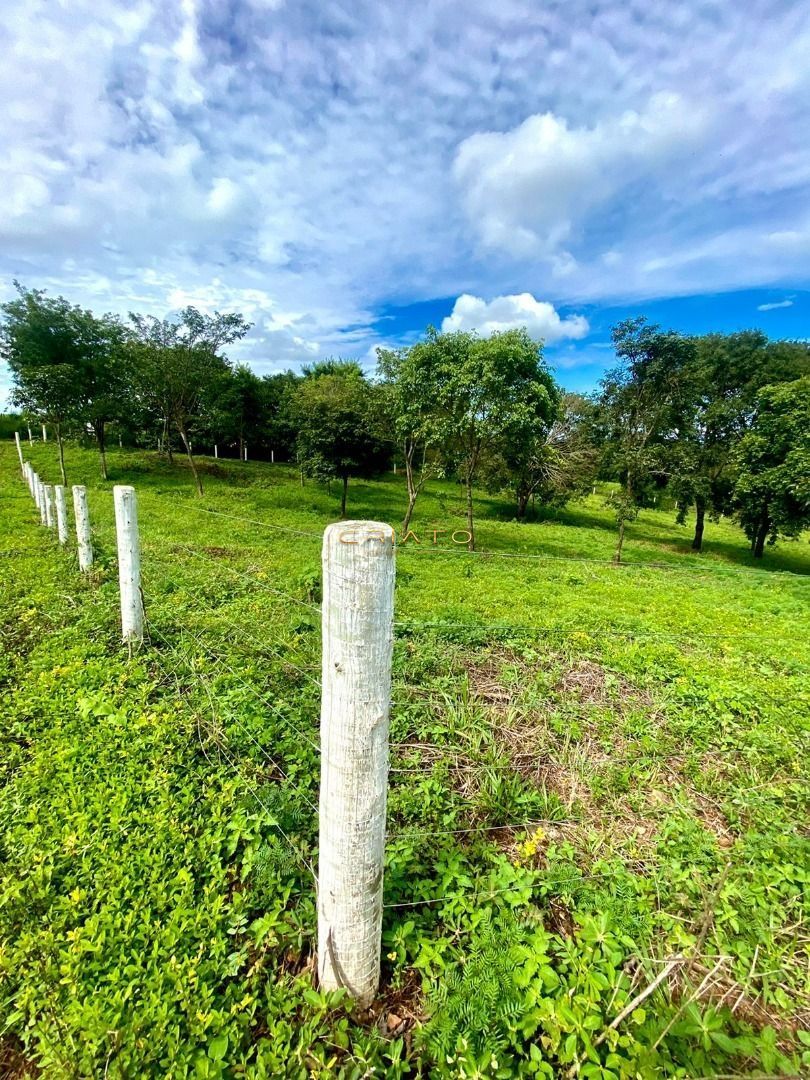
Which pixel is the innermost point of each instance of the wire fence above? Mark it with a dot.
(179, 647)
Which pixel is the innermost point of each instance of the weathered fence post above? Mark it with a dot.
(19, 451)
(48, 492)
(42, 511)
(82, 526)
(129, 562)
(61, 513)
(357, 617)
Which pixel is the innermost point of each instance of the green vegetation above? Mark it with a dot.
(597, 771)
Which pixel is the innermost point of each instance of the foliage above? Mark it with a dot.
(174, 366)
(481, 395)
(643, 405)
(334, 408)
(771, 465)
(722, 381)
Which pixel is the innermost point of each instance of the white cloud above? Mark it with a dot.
(775, 306)
(528, 189)
(296, 161)
(511, 312)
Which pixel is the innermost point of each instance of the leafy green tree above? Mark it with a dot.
(722, 384)
(643, 410)
(175, 365)
(44, 341)
(236, 407)
(334, 410)
(552, 465)
(483, 394)
(278, 396)
(771, 466)
(409, 407)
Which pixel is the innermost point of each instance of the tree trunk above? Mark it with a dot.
(411, 485)
(522, 503)
(617, 554)
(470, 525)
(762, 535)
(700, 519)
(191, 462)
(61, 445)
(102, 449)
(343, 497)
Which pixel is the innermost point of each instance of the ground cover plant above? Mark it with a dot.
(597, 859)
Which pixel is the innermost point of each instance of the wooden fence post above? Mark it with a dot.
(357, 617)
(61, 513)
(82, 526)
(129, 563)
(48, 493)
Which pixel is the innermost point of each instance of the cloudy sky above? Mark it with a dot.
(345, 173)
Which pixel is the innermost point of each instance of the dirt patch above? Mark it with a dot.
(14, 1065)
(591, 684)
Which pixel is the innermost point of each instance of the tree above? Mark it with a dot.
(771, 466)
(334, 412)
(43, 342)
(643, 410)
(550, 466)
(236, 406)
(482, 393)
(104, 390)
(175, 365)
(409, 407)
(722, 384)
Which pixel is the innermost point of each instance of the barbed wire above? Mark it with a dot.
(256, 521)
(606, 562)
(262, 699)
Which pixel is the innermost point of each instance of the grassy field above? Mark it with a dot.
(598, 784)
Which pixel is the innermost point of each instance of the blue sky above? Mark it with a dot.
(345, 173)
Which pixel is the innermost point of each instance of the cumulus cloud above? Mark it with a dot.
(775, 305)
(528, 188)
(540, 318)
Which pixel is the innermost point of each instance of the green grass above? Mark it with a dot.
(595, 769)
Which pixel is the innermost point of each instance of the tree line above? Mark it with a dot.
(720, 421)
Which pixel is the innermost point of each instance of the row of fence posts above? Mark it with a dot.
(358, 560)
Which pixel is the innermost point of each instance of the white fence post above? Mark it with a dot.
(19, 450)
(129, 562)
(357, 616)
(82, 526)
(216, 451)
(30, 436)
(42, 511)
(272, 457)
(44, 433)
(245, 452)
(35, 488)
(48, 492)
(61, 513)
